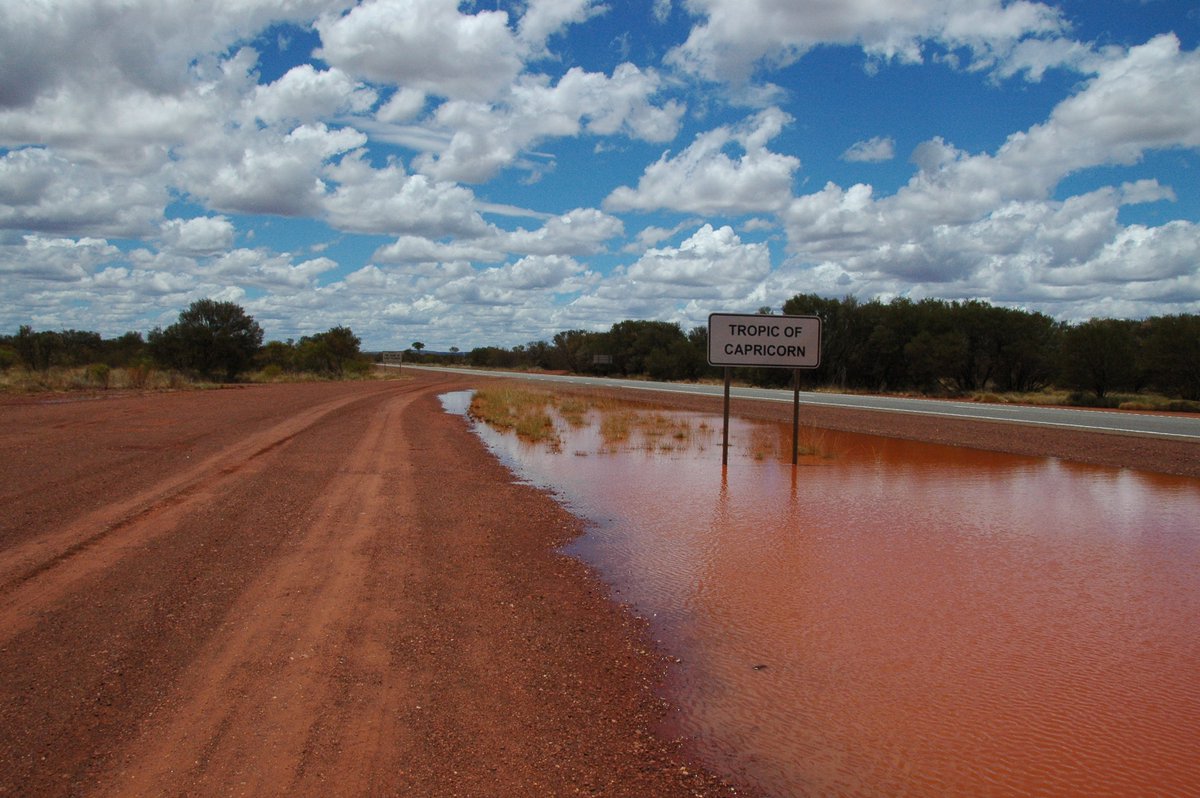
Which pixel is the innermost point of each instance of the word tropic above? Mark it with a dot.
(769, 330)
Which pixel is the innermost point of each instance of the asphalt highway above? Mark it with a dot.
(1155, 425)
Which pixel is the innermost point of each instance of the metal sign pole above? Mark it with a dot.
(764, 340)
(725, 424)
(795, 416)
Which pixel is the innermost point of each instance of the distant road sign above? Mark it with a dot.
(786, 342)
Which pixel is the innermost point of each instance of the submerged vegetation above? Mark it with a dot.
(543, 417)
(535, 416)
(524, 411)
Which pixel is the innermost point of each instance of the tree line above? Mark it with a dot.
(212, 340)
(929, 346)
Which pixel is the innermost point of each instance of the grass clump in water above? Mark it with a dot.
(523, 411)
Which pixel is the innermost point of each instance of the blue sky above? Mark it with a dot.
(490, 173)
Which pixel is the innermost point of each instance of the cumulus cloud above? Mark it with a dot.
(417, 249)
(482, 138)
(544, 18)
(77, 46)
(712, 263)
(733, 37)
(307, 95)
(1141, 100)
(424, 44)
(872, 150)
(44, 192)
(140, 141)
(511, 284)
(266, 171)
(54, 259)
(388, 200)
(206, 235)
(987, 225)
(403, 106)
(264, 269)
(705, 179)
(580, 232)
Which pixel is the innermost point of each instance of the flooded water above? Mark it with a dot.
(893, 618)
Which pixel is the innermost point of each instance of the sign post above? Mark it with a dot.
(792, 342)
(393, 359)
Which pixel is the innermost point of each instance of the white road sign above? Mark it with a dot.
(791, 342)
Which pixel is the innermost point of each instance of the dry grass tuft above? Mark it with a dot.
(95, 377)
(524, 411)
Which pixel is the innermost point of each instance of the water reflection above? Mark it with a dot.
(893, 617)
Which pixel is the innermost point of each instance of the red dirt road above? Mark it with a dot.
(324, 589)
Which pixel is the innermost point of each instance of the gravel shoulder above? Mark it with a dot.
(333, 589)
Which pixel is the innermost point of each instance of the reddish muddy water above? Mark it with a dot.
(895, 618)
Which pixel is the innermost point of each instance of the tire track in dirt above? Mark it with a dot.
(371, 606)
(99, 656)
(38, 572)
(297, 655)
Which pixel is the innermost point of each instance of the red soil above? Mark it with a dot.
(329, 589)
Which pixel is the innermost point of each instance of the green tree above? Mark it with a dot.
(1099, 356)
(279, 355)
(572, 350)
(213, 339)
(1027, 350)
(126, 350)
(843, 337)
(8, 356)
(634, 342)
(36, 349)
(330, 352)
(1171, 354)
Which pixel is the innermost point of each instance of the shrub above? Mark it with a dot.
(98, 374)
(213, 339)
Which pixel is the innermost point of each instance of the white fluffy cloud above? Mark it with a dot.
(482, 138)
(42, 191)
(266, 171)
(987, 225)
(54, 259)
(205, 235)
(1137, 102)
(872, 150)
(712, 264)
(77, 46)
(705, 179)
(264, 269)
(388, 200)
(544, 18)
(424, 44)
(306, 95)
(581, 232)
(143, 152)
(735, 36)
